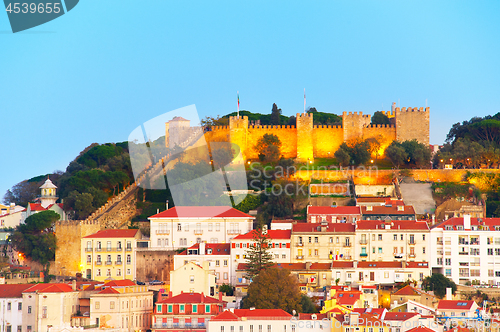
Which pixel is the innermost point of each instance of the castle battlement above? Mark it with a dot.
(389, 114)
(244, 117)
(414, 109)
(219, 128)
(306, 115)
(356, 114)
(327, 126)
(380, 126)
(266, 127)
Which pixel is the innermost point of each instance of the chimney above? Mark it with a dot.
(220, 296)
(467, 221)
(393, 107)
(433, 219)
(170, 294)
(355, 264)
(202, 298)
(73, 285)
(201, 250)
(449, 295)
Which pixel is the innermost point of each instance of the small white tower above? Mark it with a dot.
(48, 196)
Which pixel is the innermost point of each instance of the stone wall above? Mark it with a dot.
(154, 264)
(412, 123)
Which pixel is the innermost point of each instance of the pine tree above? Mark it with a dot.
(258, 256)
(276, 115)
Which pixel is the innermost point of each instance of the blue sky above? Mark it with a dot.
(96, 73)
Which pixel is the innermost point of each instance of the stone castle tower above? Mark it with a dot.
(307, 141)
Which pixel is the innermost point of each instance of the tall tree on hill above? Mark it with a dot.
(396, 154)
(269, 148)
(380, 118)
(275, 115)
(258, 256)
(274, 288)
(35, 239)
(438, 284)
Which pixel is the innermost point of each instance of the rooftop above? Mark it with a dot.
(330, 227)
(330, 210)
(113, 233)
(190, 298)
(201, 212)
(273, 234)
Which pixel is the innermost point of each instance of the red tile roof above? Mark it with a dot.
(407, 291)
(36, 207)
(13, 290)
(217, 248)
(119, 283)
(417, 265)
(455, 305)
(388, 210)
(421, 329)
(226, 316)
(399, 315)
(371, 199)
(347, 298)
(374, 311)
(337, 210)
(331, 227)
(111, 233)
(201, 212)
(379, 265)
(273, 234)
(303, 316)
(342, 264)
(394, 224)
(295, 266)
(109, 290)
(459, 221)
(49, 288)
(263, 313)
(190, 298)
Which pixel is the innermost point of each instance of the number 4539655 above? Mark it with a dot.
(25, 8)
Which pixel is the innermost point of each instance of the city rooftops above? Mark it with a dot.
(330, 210)
(457, 223)
(113, 233)
(330, 227)
(273, 234)
(392, 224)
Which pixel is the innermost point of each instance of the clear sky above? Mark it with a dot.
(96, 73)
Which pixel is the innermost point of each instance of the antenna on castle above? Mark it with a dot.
(399, 103)
(238, 94)
(304, 101)
(425, 102)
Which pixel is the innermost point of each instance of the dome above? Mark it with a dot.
(48, 185)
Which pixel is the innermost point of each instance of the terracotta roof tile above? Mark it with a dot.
(112, 233)
(394, 224)
(388, 210)
(49, 288)
(337, 210)
(13, 290)
(190, 298)
(331, 227)
(201, 212)
(273, 234)
(457, 305)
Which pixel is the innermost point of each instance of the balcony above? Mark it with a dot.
(412, 242)
(363, 254)
(88, 250)
(463, 253)
(198, 232)
(98, 263)
(128, 249)
(108, 263)
(118, 262)
(129, 263)
(439, 243)
(233, 232)
(347, 244)
(398, 256)
(411, 255)
(300, 244)
(363, 241)
(98, 249)
(300, 257)
(162, 232)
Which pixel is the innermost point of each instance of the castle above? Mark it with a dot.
(307, 141)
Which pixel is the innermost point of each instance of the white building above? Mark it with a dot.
(193, 278)
(12, 215)
(218, 256)
(11, 306)
(257, 320)
(467, 249)
(181, 227)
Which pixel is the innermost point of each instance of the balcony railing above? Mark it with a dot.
(439, 243)
(463, 253)
(363, 241)
(162, 232)
(98, 263)
(347, 244)
(233, 231)
(300, 257)
(198, 231)
(411, 242)
(98, 249)
(300, 244)
(118, 262)
(411, 255)
(108, 262)
(88, 250)
(363, 254)
(128, 249)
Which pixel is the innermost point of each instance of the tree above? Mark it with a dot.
(227, 289)
(307, 305)
(268, 147)
(438, 284)
(374, 146)
(22, 193)
(276, 115)
(380, 118)
(274, 288)
(35, 238)
(342, 155)
(209, 121)
(396, 154)
(360, 153)
(258, 256)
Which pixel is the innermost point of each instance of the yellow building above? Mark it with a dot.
(122, 305)
(109, 254)
(193, 278)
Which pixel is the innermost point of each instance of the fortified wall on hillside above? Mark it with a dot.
(306, 141)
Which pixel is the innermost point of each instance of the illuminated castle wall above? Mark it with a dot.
(307, 141)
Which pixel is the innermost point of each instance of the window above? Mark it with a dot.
(222, 328)
(169, 308)
(380, 237)
(260, 328)
(447, 272)
(97, 305)
(395, 237)
(401, 237)
(225, 262)
(447, 261)
(217, 227)
(19, 306)
(412, 239)
(316, 252)
(373, 249)
(490, 251)
(207, 308)
(108, 272)
(182, 308)
(129, 259)
(112, 305)
(98, 245)
(108, 245)
(179, 227)
(195, 308)
(98, 273)
(89, 259)
(440, 261)
(108, 259)
(129, 271)
(28, 328)
(225, 275)
(44, 312)
(316, 240)
(191, 279)
(423, 250)
(98, 259)
(310, 239)
(217, 275)
(423, 237)
(283, 256)
(217, 263)
(186, 227)
(269, 328)
(329, 240)
(119, 245)
(379, 250)
(29, 309)
(9, 306)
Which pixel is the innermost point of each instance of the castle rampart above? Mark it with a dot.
(307, 141)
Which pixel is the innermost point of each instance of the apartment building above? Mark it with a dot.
(388, 211)
(184, 226)
(256, 320)
(279, 246)
(218, 256)
(122, 305)
(322, 242)
(48, 305)
(392, 240)
(333, 214)
(193, 278)
(467, 249)
(11, 306)
(186, 311)
(110, 253)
